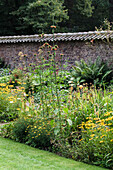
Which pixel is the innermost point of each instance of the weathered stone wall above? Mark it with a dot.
(72, 50)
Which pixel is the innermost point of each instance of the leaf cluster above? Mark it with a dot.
(97, 73)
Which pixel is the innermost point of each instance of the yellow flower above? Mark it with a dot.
(96, 118)
(2, 84)
(18, 109)
(107, 130)
(110, 118)
(111, 140)
(92, 135)
(10, 85)
(101, 141)
(110, 124)
(103, 136)
(90, 138)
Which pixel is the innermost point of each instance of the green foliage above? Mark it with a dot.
(6, 130)
(97, 73)
(33, 131)
(62, 80)
(20, 129)
(35, 16)
(106, 25)
(44, 13)
(85, 15)
(10, 100)
(65, 117)
(4, 72)
(92, 144)
(85, 7)
(4, 79)
(40, 134)
(8, 23)
(63, 132)
(15, 78)
(97, 137)
(8, 110)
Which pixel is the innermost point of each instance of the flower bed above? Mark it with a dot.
(54, 111)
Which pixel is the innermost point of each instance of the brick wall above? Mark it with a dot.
(72, 50)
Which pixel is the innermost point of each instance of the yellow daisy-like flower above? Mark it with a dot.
(2, 84)
(18, 109)
(101, 141)
(92, 135)
(103, 136)
(90, 139)
(80, 140)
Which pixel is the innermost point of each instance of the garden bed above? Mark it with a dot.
(66, 112)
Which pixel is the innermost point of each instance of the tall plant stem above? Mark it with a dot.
(58, 102)
(41, 89)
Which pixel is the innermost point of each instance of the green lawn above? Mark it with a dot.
(14, 155)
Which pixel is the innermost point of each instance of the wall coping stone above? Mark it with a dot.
(82, 36)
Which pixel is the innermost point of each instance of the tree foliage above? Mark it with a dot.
(40, 14)
(86, 14)
(36, 16)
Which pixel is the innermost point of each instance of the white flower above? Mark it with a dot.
(18, 98)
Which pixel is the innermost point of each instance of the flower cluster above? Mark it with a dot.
(98, 129)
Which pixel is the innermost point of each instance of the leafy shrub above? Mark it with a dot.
(61, 146)
(8, 110)
(97, 140)
(10, 100)
(4, 72)
(28, 85)
(4, 79)
(62, 80)
(6, 130)
(40, 134)
(16, 77)
(33, 131)
(93, 144)
(97, 73)
(20, 129)
(68, 110)
(18, 73)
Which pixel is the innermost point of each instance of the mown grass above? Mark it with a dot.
(14, 155)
